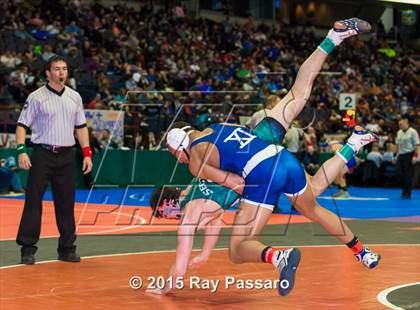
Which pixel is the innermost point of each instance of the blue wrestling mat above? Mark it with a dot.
(363, 203)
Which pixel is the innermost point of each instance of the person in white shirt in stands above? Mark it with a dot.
(374, 126)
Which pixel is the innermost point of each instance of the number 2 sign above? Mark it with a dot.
(347, 101)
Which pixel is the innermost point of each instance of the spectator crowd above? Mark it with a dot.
(149, 62)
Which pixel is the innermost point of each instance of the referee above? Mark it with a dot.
(408, 143)
(53, 112)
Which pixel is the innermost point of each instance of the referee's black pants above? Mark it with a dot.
(60, 169)
(405, 172)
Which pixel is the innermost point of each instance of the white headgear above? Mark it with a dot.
(178, 139)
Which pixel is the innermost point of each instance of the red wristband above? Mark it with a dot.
(87, 152)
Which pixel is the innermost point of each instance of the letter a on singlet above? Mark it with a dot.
(243, 137)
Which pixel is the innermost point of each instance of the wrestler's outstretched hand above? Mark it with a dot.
(197, 261)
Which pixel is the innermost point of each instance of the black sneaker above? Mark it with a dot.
(27, 259)
(287, 264)
(71, 257)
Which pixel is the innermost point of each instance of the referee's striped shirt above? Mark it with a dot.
(53, 116)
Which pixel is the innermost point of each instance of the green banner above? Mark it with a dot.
(121, 168)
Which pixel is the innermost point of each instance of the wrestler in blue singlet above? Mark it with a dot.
(268, 169)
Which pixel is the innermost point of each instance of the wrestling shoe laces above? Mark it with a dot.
(368, 258)
(353, 23)
(346, 28)
(361, 137)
